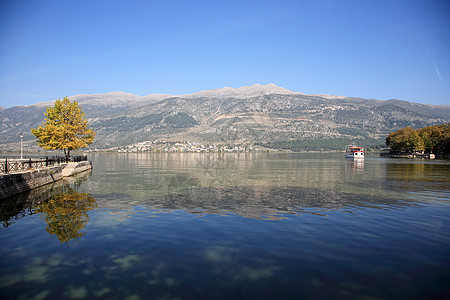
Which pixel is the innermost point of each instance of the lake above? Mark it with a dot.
(232, 226)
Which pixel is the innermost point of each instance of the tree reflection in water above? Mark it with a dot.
(66, 214)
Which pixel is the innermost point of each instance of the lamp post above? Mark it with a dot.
(21, 146)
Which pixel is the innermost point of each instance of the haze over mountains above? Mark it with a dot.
(259, 114)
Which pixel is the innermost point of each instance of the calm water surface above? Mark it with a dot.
(232, 226)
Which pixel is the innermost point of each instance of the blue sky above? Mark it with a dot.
(370, 49)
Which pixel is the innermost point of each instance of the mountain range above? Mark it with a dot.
(267, 115)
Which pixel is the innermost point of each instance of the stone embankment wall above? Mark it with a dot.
(71, 169)
(11, 184)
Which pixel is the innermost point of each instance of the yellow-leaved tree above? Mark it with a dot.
(64, 128)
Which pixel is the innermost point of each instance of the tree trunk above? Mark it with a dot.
(67, 154)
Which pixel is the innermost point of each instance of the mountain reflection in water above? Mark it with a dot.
(254, 202)
(249, 226)
(249, 185)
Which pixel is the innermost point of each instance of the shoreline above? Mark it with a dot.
(15, 183)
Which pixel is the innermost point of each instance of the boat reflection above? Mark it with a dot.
(355, 164)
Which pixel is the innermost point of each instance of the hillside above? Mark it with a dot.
(261, 114)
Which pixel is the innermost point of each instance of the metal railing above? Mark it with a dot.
(13, 165)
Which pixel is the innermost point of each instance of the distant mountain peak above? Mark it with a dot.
(123, 99)
(242, 92)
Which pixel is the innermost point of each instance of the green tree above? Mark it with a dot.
(431, 136)
(65, 128)
(415, 142)
(399, 140)
(443, 144)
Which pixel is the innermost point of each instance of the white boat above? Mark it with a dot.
(354, 152)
